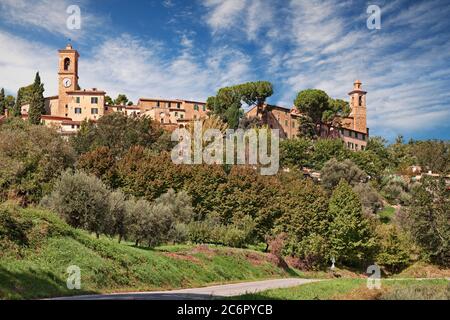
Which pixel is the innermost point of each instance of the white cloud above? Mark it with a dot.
(20, 60)
(222, 14)
(127, 65)
(48, 15)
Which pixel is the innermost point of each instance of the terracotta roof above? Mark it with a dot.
(95, 92)
(160, 99)
(189, 101)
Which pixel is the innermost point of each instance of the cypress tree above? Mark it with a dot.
(37, 102)
(17, 106)
(2, 101)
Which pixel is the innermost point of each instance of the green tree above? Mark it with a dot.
(37, 101)
(31, 159)
(295, 152)
(121, 100)
(352, 237)
(101, 163)
(395, 251)
(325, 150)
(84, 140)
(312, 104)
(82, 200)
(337, 110)
(118, 132)
(304, 221)
(227, 104)
(429, 215)
(10, 103)
(160, 222)
(109, 101)
(2, 101)
(334, 171)
(117, 221)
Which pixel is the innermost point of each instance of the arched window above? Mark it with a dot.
(66, 64)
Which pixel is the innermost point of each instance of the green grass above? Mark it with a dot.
(386, 214)
(322, 290)
(39, 270)
(356, 289)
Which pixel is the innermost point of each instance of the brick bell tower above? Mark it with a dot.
(358, 106)
(67, 76)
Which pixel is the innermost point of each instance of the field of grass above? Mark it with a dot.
(351, 289)
(38, 269)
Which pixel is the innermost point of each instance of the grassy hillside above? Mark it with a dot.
(351, 289)
(36, 248)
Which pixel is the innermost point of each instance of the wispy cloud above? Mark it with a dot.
(49, 15)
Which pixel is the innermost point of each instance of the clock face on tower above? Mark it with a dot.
(67, 82)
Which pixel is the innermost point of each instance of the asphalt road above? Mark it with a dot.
(205, 293)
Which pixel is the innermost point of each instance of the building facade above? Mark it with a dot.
(66, 111)
(72, 105)
(353, 131)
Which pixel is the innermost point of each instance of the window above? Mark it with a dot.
(67, 106)
(204, 107)
(78, 110)
(363, 148)
(356, 146)
(196, 107)
(162, 120)
(179, 105)
(77, 99)
(169, 105)
(94, 111)
(94, 100)
(176, 114)
(364, 137)
(66, 64)
(181, 116)
(158, 103)
(360, 101)
(73, 126)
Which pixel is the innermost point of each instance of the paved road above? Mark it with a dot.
(206, 293)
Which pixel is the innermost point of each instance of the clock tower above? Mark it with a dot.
(67, 77)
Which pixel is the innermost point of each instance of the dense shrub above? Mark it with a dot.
(370, 199)
(334, 171)
(31, 159)
(327, 149)
(118, 132)
(295, 152)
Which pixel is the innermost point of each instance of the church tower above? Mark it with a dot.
(358, 106)
(67, 76)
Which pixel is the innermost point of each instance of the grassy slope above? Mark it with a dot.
(356, 289)
(40, 270)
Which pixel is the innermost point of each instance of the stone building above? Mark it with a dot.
(73, 105)
(353, 132)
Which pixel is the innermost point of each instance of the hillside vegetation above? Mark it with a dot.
(37, 247)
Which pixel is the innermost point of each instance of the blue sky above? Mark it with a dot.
(189, 49)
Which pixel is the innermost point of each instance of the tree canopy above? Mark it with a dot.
(227, 104)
